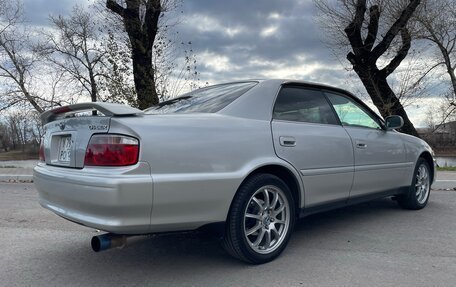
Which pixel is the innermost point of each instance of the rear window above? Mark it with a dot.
(206, 100)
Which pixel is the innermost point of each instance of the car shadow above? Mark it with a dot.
(180, 256)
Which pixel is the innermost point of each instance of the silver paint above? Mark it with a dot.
(191, 165)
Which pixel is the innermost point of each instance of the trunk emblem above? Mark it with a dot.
(62, 126)
(98, 127)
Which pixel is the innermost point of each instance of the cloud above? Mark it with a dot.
(269, 31)
(241, 39)
(37, 11)
(256, 39)
(237, 39)
(215, 62)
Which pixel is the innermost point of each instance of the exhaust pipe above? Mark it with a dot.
(108, 241)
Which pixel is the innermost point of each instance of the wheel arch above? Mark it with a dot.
(430, 161)
(284, 173)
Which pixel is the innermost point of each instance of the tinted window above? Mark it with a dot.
(350, 113)
(205, 100)
(303, 105)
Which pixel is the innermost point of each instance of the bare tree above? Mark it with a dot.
(176, 70)
(116, 84)
(437, 21)
(173, 61)
(413, 80)
(20, 129)
(5, 138)
(75, 50)
(437, 114)
(140, 19)
(16, 59)
(379, 39)
(441, 127)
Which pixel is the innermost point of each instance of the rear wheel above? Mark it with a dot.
(261, 219)
(418, 194)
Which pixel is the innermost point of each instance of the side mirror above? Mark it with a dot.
(394, 122)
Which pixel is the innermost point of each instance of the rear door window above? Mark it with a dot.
(303, 105)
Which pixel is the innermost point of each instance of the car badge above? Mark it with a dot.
(62, 126)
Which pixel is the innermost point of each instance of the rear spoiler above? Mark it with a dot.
(108, 109)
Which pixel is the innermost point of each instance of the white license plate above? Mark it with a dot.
(65, 149)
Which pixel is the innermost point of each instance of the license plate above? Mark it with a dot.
(65, 149)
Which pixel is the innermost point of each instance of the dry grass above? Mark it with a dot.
(18, 155)
(446, 168)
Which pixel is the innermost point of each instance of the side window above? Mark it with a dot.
(303, 105)
(350, 113)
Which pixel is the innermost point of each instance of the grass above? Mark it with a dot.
(18, 155)
(446, 168)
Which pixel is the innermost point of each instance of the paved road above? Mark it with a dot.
(375, 244)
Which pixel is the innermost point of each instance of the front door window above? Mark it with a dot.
(350, 113)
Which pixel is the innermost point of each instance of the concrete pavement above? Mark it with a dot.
(17, 171)
(446, 180)
(16, 174)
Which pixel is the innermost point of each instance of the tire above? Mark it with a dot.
(418, 194)
(261, 219)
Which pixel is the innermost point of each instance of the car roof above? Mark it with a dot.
(258, 102)
(284, 81)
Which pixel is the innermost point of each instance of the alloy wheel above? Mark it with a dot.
(266, 219)
(422, 185)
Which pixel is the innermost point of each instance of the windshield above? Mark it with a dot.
(206, 100)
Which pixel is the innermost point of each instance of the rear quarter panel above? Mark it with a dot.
(197, 163)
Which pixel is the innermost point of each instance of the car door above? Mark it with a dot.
(306, 133)
(379, 154)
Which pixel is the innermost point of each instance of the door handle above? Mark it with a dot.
(361, 145)
(287, 141)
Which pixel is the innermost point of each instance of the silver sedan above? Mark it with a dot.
(244, 158)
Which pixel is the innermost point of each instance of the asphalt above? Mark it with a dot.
(371, 244)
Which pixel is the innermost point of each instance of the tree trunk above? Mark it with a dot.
(30, 98)
(93, 86)
(140, 19)
(364, 56)
(143, 74)
(383, 96)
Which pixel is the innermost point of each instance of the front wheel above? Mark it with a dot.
(418, 194)
(261, 219)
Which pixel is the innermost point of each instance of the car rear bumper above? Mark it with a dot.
(117, 200)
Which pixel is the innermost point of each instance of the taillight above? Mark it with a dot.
(41, 153)
(111, 150)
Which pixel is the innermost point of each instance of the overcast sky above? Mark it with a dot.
(241, 39)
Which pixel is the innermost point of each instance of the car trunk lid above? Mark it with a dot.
(67, 133)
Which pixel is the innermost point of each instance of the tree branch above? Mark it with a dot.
(353, 30)
(10, 104)
(394, 29)
(153, 11)
(115, 7)
(372, 28)
(401, 54)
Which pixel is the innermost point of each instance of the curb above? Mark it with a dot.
(13, 178)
